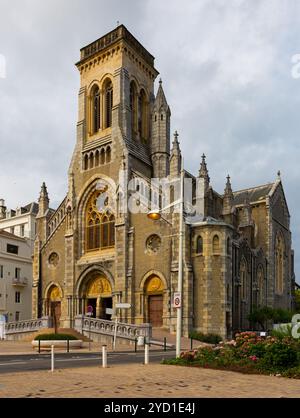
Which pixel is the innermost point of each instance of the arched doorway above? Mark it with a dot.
(54, 301)
(98, 297)
(154, 289)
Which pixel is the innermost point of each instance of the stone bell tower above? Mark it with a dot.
(116, 96)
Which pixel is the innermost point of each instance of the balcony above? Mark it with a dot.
(21, 281)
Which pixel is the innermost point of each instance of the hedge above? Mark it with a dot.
(57, 337)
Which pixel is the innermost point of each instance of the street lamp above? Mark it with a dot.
(156, 215)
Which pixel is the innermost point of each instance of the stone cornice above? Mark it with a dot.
(125, 43)
(111, 38)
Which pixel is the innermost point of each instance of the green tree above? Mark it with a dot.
(262, 316)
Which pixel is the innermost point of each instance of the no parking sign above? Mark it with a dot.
(177, 300)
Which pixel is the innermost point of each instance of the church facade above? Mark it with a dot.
(99, 248)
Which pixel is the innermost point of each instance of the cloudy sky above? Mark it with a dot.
(227, 71)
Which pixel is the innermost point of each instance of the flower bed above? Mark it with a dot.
(248, 353)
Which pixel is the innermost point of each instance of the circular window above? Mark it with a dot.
(53, 259)
(153, 244)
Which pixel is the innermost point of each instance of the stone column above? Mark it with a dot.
(98, 307)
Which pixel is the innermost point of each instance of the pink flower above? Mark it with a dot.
(253, 358)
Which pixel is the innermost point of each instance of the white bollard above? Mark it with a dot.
(104, 356)
(52, 358)
(146, 353)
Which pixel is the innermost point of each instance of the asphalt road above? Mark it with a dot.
(31, 362)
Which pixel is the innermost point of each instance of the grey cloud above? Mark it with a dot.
(226, 68)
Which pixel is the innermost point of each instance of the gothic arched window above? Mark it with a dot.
(97, 154)
(86, 161)
(216, 244)
(243, 277)
(142, 116)
(199, 248)
(260, 286)
(102, 156)
(133, 109)
(95, 109)
(91, 158)
(108, 103)
(108, 155)
(100, 226)
(279, 264)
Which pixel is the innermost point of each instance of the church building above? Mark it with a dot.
(99, 248)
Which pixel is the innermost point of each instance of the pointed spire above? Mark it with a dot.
(228, 199)
(176, 142)
(43, 200)
(228, 190)
(175, 158)
(160, 102)
(203, 172)
(44, 192)
(278, 175)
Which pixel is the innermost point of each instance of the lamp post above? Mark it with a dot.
(156, 215)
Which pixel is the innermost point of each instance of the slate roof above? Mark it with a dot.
(31, 207)
(255, 194)
(138, 150)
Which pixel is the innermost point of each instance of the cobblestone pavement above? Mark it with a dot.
(144, 381)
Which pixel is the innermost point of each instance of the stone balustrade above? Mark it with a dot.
(85, 324)
(26, 326)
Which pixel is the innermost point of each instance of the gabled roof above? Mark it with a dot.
(254, 194)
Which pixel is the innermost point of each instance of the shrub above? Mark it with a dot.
(205, 338)
(206, 354)
(280, 354)
(51, 337)
(188, 355)
(249, 353)
(293, 372)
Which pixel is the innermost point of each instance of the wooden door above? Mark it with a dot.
(56, 313)
(156, 310)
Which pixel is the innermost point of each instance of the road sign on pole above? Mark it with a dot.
(119, 306)
(177, 300)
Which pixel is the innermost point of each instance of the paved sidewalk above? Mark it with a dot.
(138, 381)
